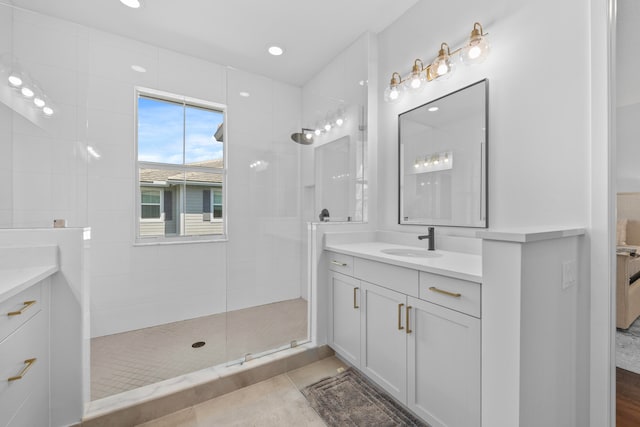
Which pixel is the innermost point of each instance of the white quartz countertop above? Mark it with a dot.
(453, 264)
(15, 280)
(22, 267)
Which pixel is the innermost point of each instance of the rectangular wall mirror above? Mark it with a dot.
(443, 158)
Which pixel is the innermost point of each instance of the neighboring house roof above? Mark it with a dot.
(168, 175)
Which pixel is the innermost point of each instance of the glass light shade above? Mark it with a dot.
(48, 111)
(415, 83)
(442, 67)
(476, 51)
(39, 102)
(393, 93)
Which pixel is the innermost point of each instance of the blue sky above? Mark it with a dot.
(161, 137)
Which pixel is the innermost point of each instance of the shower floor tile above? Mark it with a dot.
(133, 359)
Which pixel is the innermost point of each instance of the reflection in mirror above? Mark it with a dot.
(443, 146)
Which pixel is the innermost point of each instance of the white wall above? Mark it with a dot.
(88, 74)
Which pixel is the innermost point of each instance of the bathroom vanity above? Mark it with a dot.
(410, 320)
(41, 334)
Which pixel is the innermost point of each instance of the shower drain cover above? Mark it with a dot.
(198, 344)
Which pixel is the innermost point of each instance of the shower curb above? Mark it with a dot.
(250, 373)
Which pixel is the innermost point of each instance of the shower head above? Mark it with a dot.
(305, 137)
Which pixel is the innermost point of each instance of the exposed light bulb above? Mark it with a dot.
(317, 132)
(442, 65)
(26, 92)
(308, 135)
(339, 121)
(15, 80)
(327, 127)
(416, 80)
(39, 102)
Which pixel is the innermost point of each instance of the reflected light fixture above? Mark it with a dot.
(275, 50)
(134, 4)
(15, 80)
(26, 92)
(432, 109)
(474, 51)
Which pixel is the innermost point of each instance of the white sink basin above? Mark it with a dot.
(411, 253)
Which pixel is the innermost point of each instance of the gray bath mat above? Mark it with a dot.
(348, 399)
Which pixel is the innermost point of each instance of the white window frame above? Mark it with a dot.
(153, 240)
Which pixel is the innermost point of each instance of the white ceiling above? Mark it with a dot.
(237, 32)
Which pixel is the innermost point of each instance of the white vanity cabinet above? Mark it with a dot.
(419, 335)
(344, 316)
(24, 357)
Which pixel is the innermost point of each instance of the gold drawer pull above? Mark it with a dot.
(408, 328)
(27, 364)
(440, 291)
(400, 327)
(25, 305)
(341, 264)
(355, 303)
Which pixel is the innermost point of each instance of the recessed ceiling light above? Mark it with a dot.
(15, 80)
(433, 109)
(26, 92)
(139, 68)
(244, 94)
(131, 3)
(276, 50)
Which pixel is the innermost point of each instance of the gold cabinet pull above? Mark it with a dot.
(341, 264)
(440, 291)
(27, 364)
(407, 322)
(355, 301)
(25, 305)
(400, 327)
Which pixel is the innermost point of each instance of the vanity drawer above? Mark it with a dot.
(340, 263)
(456, 294)
(396, 278)
(22, 307)
(29, 342)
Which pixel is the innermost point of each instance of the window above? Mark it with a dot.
(181, 168)
(150, 204)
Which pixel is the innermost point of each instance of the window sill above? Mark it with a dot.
(180, 242)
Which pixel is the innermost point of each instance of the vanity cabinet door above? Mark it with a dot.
(384, 339)
(344, 316)
(444, 365)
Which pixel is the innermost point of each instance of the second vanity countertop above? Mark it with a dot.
(21, 267)
(453, 264)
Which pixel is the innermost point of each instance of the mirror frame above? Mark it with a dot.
(483, 165)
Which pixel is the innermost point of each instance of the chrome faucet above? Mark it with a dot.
(432, 238)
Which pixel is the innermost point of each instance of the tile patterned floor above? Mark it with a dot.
(274, 402)
(129, 360)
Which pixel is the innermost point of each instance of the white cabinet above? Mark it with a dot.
(419, 337)
(344, 316)
(443, 365)
(24, 358)
(384, 351)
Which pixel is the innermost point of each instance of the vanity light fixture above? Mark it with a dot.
(26, 92)
(15, 80)
(474, 51)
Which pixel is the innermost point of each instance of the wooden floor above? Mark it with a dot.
(627, 398)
